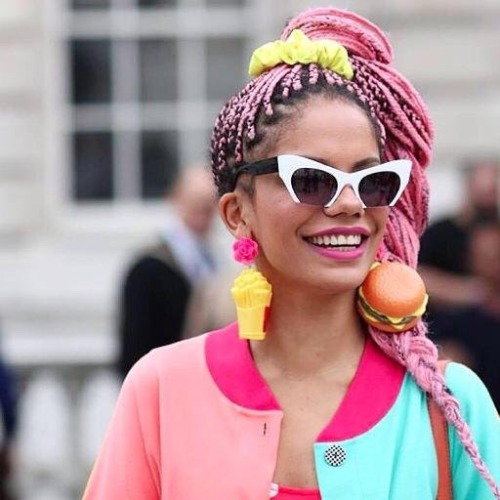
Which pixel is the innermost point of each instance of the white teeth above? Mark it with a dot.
(336, 240)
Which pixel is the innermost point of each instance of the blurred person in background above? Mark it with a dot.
(8, 429)
(315, 392)
(162, 294)
(443, 260)
(472, 335)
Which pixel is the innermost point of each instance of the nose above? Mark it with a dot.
(347, 203)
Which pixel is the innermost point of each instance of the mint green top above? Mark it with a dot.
(382, 462)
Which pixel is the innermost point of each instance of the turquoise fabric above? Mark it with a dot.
(480, 413)
(393, 460)
(396, 459)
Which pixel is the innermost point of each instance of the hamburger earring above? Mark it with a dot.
(392, 297)
(251, 292)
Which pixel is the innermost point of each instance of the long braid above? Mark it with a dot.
(408, 131)
(419, 355)
(405, 130)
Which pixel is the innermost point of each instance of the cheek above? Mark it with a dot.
(380, 218)
(270, 219)
(274, 219)
(379, 215)
(272, 201)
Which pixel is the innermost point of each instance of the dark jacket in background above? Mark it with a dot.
(154, 303)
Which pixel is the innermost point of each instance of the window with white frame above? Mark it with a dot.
(146, 80)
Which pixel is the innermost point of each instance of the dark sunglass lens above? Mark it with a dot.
(380, 189)
(313, 187)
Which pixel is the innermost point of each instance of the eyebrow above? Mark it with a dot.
(359, 165)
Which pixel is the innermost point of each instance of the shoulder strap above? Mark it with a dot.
(440, 433)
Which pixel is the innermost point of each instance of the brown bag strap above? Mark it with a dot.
(440, 433)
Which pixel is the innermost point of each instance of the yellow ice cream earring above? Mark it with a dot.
(251, 292)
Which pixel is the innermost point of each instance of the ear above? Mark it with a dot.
(233, 212)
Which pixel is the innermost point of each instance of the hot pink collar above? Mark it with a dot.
(370, 395)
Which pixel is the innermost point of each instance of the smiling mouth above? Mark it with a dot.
(337, 241)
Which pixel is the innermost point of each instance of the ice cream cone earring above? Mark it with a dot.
(251, 292)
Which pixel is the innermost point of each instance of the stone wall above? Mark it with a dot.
(449, 49)
(21, 117)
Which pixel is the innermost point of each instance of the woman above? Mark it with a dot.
(325, 406)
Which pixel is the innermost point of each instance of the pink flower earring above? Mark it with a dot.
(251, 292)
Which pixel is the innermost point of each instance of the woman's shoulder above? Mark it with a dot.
(470, 391)
(481, 416)
(183, 356)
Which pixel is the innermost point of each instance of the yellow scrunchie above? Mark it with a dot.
(298, 48)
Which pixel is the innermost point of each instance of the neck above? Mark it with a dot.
(309, 335)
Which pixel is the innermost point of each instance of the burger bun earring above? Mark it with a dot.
(392, 297)
(251, 292)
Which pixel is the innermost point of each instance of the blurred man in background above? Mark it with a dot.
(444, 262)
(163, 289)
(9, 423)
(472, 335)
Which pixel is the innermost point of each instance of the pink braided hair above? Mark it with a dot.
(403, 123)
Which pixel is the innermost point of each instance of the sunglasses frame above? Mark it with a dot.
(286, 165)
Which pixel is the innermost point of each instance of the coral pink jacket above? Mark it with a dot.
(151, 434)
(195, 420)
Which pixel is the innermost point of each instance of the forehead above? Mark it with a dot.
(326, 128)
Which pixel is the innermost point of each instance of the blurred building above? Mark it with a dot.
(102, 100)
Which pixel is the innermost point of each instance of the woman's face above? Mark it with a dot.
(291, 236)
